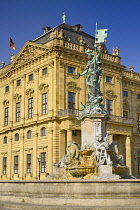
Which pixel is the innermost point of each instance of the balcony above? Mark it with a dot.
(120, 119)
(72, 112)
(113, 118)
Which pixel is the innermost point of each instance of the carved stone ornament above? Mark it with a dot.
(126, 105)
(110, 95)
(17, 97)
(72, 86)
(6, 103)
(43, 87)
(29, 92)
(27, 55)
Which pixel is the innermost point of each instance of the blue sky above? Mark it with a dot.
(24, 20)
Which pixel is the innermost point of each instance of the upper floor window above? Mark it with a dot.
(138, 165)
(44, 103)
(6, 116)
(44, 71)
(19, 82)
(71, 70)
(7, 89)
(43, 162)
(5, 140)
(4, 165)
(30, 108)
(16, 137)
(125, 93)
(108, 79)
(43, 131)
(138, 121)
(125, 114)
(18, 112)
(31, 77)
(29, 134)
(29, 163)
(71, 100)
(15, 164)
(138, 96)
(109, 106)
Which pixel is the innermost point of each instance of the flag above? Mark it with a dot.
(12, 44)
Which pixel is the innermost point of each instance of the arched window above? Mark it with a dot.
(43, 131)
(5, 140)
(16, 137)
(29, 134)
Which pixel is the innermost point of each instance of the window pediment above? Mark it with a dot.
(6, 103)
(43, 87)
(110, 95)
(72, 86)
(29, 92)
(17, 97)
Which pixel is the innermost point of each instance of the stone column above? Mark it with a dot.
(62, 144)
(128, 153)
(34, 156)
(21, 156)
(50, 151)
(69, 135)
(110, 138)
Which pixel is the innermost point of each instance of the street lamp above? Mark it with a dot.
(39, 160)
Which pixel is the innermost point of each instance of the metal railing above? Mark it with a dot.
(113, 118)
(73, 112)
(120, 119)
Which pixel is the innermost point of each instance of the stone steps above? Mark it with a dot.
(26, 206)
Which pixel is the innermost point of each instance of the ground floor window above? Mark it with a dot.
(4, 165)
(43, 162)
(29, 163)
(15, 164)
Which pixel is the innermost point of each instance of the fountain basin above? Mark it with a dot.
(81, 170)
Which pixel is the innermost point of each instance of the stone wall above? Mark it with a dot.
(103, 193)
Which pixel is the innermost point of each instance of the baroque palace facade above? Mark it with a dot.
(40, 101)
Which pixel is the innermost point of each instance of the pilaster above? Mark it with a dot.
(128, 153)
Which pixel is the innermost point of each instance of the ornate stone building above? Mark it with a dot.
(40, 101)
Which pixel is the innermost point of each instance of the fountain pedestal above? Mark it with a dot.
(91, 128)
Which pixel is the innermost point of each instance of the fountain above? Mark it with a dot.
(96, 159)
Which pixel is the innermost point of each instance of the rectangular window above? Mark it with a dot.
(31, 77)
(138, 121)
(44, 71)
(138, 96)
(18, 82)
(29, 163)
(125, 114)
(6, 116)
(138, 165)
(43, 162)
(71, 70)
(15, 164)
(7, 89)
(71, 100)
(109, 106)
(44, 103)
(4, 165)
(125, 93)
(108, 79)
(18, 112)
(30, 108)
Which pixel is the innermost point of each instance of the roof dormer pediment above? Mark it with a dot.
(29, 52)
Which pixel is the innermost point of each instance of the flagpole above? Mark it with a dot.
(95, 48)
(9, 49)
